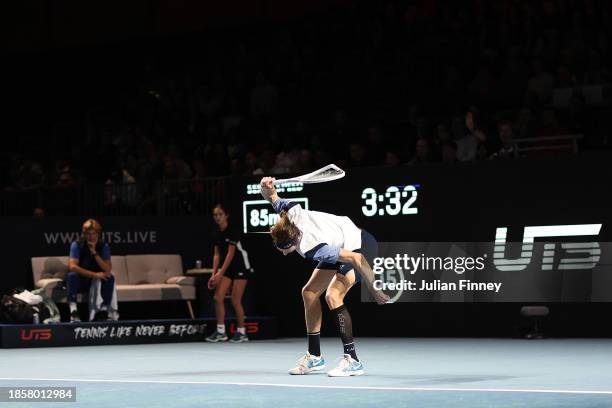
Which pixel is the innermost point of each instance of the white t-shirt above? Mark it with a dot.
(320, 229)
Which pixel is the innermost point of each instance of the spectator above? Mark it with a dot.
(250, 164)
(305, 161)
(65, 181)
(90, 259)
(62, 166)
(236, 167)
(268, 164)
(286, 159)
(176, 169)
(468, 144)
(508, 148)
(541, 82)
(357, 155)
(549, 125)
(482, 152)
(565, 78)
(422, 152)
(524, 125)
(441, 136)
(422, 127)
(449, 152)
(30, 176)
(392, 159)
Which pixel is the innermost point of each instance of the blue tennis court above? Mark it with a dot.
(399, 372)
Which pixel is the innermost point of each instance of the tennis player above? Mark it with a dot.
(340, 248)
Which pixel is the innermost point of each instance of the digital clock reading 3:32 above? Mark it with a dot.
(395, 200)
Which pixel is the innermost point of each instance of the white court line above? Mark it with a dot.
(339, 387)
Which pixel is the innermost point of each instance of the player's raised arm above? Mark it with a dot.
(361, 265)
(268, 191)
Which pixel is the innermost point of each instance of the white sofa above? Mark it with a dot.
(137, 278)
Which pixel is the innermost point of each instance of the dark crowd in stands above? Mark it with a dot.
(387, 83)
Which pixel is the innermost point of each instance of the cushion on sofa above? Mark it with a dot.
(44, 266)
(120, 269)
(153, 268)
(182, 280)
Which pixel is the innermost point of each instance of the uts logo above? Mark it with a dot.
(530, 233)
(36, 334)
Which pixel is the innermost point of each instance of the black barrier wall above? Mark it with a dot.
(437, 203)
(124, 332)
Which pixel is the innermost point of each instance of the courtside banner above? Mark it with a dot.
(125, 332)
(577, 268)
(53, 235)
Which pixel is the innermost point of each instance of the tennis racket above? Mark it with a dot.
(327, 173)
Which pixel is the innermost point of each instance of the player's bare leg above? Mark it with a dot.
(338, 288)
(311, 293)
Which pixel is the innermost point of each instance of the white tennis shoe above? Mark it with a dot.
(307, 364)
(347, 367)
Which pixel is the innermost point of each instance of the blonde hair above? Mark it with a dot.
(92, 224)
(284, 231)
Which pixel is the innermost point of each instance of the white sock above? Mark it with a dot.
(221, 328)
(241, 330)
(73, 307)
(103, 308)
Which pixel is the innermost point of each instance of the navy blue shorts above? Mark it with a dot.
(369, 248)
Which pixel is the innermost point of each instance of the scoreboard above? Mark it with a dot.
(258, 215)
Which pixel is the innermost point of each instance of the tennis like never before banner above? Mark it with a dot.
(126, 332)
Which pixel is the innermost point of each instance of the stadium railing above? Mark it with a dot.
(177, 197)
(568, 143)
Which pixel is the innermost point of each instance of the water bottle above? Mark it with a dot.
(198, 264)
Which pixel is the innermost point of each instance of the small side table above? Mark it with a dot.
(205, 304)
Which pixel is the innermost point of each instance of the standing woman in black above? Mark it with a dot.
(231, 267)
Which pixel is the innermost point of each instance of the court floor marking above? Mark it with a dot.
(339, 387)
